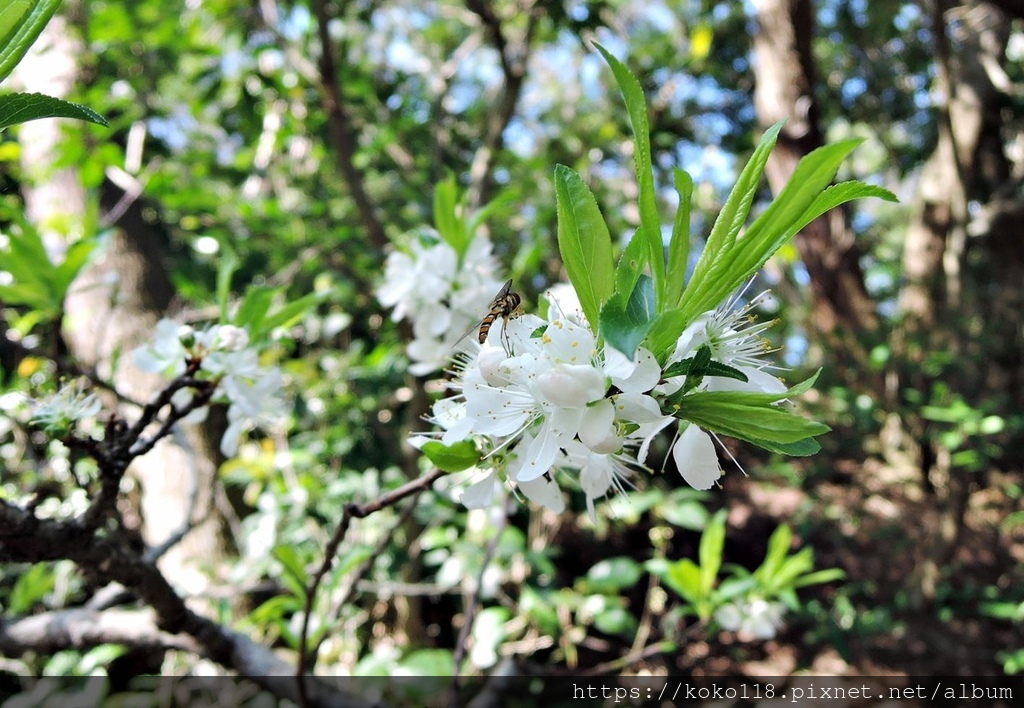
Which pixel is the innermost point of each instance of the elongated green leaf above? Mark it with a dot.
(683, 576)
(661, 341)
(631, 266)
(75, 259)
(650, 224)
(800, 448)
(20, 24)
(756, 424)
(448, 220)
(31, 295)
(228, 265)
(712, 543)
(584, 242)
(679, 245)
(18, 108)
(778, 549)
(452, 458)
(819, 577)
(289, 313)
(773, 228)
(839, 194)
(11, 17)
(691, 366)
(254, 307)
(728, 224)
(625, 323)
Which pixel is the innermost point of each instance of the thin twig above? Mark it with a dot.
(351, 511)
(459, 655)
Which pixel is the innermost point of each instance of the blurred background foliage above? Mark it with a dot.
(234, 131)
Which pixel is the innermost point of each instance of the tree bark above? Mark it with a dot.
(113, 307)
(785, 78)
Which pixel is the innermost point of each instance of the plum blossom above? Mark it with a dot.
(442, 294)
(223, 354)
(755, 617)
(68, 406)
(547, 402)
(735, 340)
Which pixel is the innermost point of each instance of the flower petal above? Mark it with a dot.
(479, 495)
(695, 456)
(544, 491)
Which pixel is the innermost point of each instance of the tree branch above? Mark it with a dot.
(514, 58)
(27, 539)
(341, 130)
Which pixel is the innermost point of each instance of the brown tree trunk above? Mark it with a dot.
(947, 295)
(112, 307)
(785, 78)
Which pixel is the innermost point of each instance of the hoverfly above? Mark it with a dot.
(506, 305)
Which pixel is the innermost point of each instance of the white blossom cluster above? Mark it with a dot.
(251, 390)
(545, 401)
(440, 293)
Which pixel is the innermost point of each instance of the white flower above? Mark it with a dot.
(251, 390)
(69, 405)
(253, 394)
(735, 340)
(443, 296)
(695, 457)
(599, 472)
(412, 282)
(231, 338)
(756, 617)
(166, 354)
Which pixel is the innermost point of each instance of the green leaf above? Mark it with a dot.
(437, 664)
(631, 266)
(252, 311)
(18, 108)
(778, 223)
(76, 258)
(452, 458)
(584, 242)
(289, 313)
(683, 576)
(679, 245)
(228, 265)
(650, 225)
(661, 341)
(34, 295)
(756, 423)
(728, 224)
(20, 24)
(712, 543)
(31, 587)
(701, 362)
(800, 448)
(612, 575)
(839, 194)
(449, 219)
(625, 324)
(616, 621)
(691, 366)
(751, 416)
(819, 577)
(778, 549)
(295, 576)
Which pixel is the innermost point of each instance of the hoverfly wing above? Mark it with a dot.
(468, 332)
(492, 312)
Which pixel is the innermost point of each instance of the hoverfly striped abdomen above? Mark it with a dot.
(506, 305)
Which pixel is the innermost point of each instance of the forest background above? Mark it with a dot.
(301, 143)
